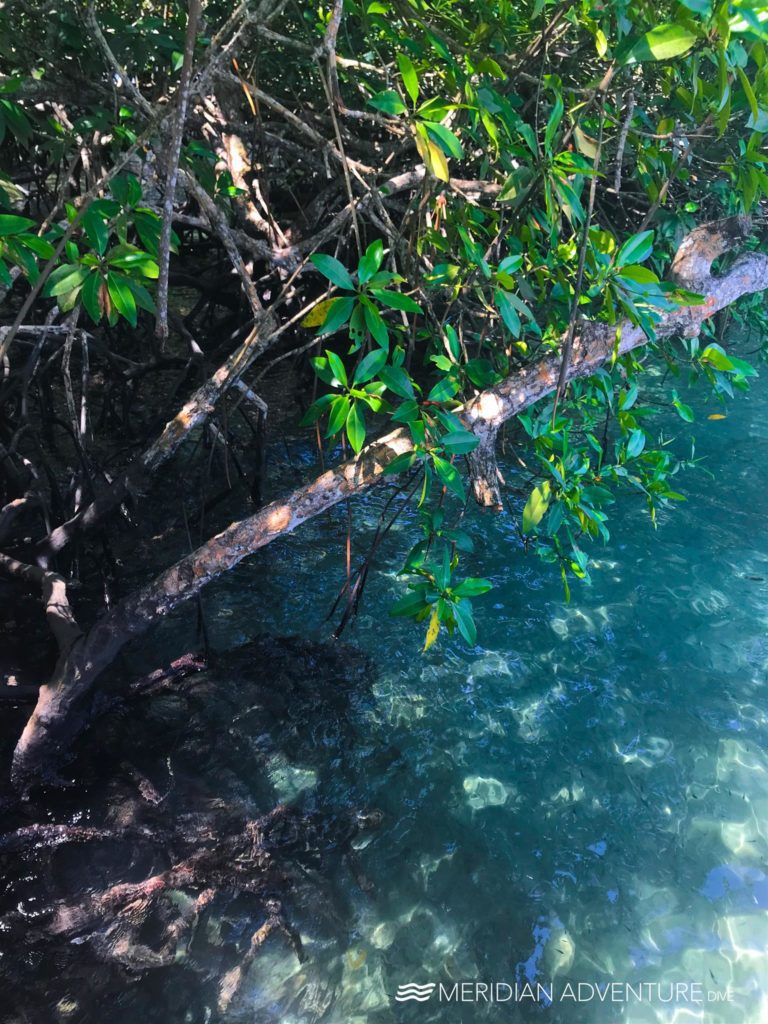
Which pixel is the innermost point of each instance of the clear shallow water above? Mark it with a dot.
(582, 798)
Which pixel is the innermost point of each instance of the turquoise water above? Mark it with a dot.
(583, 798)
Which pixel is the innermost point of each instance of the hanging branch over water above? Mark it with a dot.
(63, 706)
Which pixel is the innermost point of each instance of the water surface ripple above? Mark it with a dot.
(582, 798)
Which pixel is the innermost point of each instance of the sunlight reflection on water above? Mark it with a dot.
(584, 797)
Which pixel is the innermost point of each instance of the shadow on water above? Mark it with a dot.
(581, 799)
(211, 791)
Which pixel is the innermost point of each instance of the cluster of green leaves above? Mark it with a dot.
(435, 142)
(21, 246)
(104, 270)
(444, 603)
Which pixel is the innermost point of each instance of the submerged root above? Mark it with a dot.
(150, 924)
(232, 982)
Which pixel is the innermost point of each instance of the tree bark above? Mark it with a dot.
(63, 705)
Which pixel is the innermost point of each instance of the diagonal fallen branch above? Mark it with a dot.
(63, 705)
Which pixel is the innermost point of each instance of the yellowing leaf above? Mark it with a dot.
(439, 164)
(585, 143)
(434, 629)
(601, 43)
(432, 155)
(716, 416)
(317, 314)
(536, 506)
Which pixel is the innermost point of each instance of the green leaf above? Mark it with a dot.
(322, 368)
(410, 78)
(148, 227)
(64, 279)
(481, 372)
(459, 442)
(637, 274)
(337, 366)
(751, 98)
(396, 300)
(377, 327)
(742, 367)
(628, 398)
(90, 296)
(10, 224)
(400, 464)
(443, 571)
(465, 621)
(397, 380)
(388, 102)
(536, 506)
(636, 249)
(473, 587)
(444, 390)
(338, 415)
(96, 231)
(369, 366)
(449, 475)
(17, 120)
(370, 262)
(507, 310)
(143, 299)
(407, 412)
(488, 66)
(715, 356)
(39, 246)
(510, 264)
(356, 426)
(410, 605)
(636, 443)
(357, 325)
(126, 189)
(122, 297)
(685, 412)
(316, 410)
(337, 314)
(446, 139)
(661, 43)
(553, 121)
(336, 272)
(128, 258)
(107, 208)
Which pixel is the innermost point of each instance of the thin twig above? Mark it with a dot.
(623, 140)
(172, 170)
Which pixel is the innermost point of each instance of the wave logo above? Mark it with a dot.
(419, 993)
